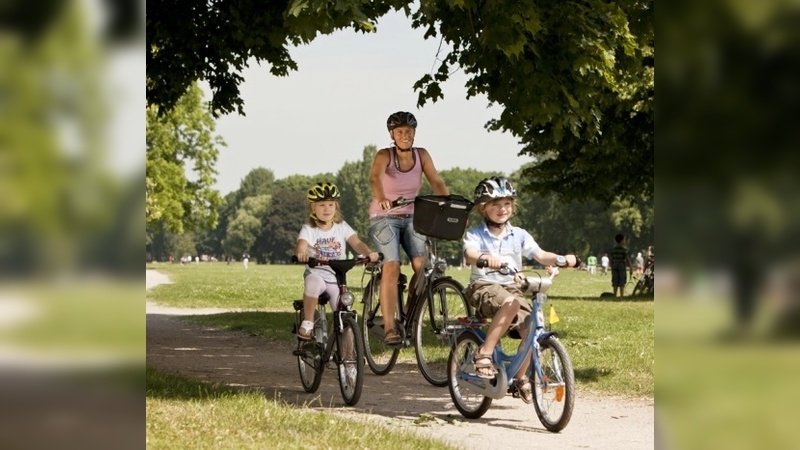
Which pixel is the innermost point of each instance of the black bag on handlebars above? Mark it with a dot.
(441, 216)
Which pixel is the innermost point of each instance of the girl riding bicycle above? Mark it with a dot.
(492, 294)
(324, 237)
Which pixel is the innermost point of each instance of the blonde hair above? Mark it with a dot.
(337, 216)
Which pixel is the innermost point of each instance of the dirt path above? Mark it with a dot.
(401, 399)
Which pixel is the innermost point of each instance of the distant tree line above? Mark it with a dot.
(264, 216)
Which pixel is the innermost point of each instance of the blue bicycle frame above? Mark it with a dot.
(508, 365)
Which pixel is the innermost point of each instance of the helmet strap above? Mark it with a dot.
(317, 219)
(492, 224)
(397, 147)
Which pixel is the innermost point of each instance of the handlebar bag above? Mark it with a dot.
(441, 216)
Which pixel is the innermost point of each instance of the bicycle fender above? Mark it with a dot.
(546, 335)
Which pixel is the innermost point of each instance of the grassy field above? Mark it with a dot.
(611, 341)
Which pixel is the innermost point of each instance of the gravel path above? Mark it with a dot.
(402, 399)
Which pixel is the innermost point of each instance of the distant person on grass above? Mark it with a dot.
(620, 264)
(324, 237)
(591, 263)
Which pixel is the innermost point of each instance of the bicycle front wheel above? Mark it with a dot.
(309, 364)
(468, 402)
(350, 352)
(433, 335)
(380, 357)
(554, 391)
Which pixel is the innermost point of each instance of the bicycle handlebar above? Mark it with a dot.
(530, 285)
(399, 202)
(314, 262)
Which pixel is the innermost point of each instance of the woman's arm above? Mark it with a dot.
(376, 175)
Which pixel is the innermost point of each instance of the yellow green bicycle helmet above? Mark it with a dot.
(323, 191)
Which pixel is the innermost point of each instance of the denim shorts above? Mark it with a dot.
(388, 233)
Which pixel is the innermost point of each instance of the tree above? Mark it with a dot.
(280, 226)
(353, 181)
(178, 142)
(245, 227)
(258, 181)
(301, 183)
(575, 80)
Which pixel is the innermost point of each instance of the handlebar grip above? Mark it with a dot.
(481, 263)
(311, 261)
(380, 256)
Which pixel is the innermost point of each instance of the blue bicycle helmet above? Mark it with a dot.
(495, 187)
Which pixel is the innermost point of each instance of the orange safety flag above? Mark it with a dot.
(553, 316)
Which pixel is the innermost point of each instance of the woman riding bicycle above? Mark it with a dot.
(397, 172)
(324, 237)
(492, 294)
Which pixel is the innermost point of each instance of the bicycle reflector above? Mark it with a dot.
(347, 298)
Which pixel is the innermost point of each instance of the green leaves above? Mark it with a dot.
(574, 79)
(178, 142)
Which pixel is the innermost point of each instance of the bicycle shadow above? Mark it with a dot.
(252, 362)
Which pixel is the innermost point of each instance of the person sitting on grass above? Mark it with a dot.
(493, 294)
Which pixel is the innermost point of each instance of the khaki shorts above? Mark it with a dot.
(487, 298)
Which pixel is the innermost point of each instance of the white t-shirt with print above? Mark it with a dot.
(325, 245)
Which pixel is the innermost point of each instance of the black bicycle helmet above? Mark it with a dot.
(323, 191)
(492, 188)
(401, 118)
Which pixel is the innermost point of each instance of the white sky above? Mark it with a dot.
(337, 102)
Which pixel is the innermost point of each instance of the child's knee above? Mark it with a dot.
(512, 303)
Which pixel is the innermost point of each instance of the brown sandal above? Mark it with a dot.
(483, 366)
(524, 390)
(392, 337)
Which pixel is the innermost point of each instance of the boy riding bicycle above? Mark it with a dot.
(493, 294)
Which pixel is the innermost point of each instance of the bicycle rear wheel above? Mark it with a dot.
(433, 338)
(381, 358)
(554, 392)
(469, 403)
(350, 357)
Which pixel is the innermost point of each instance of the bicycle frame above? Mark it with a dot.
(432, 269)
(509, 364)
(314, 355)
(340, 268)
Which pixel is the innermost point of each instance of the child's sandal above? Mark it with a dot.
(306, 331)
(483, 366)
(524, 389)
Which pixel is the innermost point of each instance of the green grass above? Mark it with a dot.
(183, 413)
(611, 341)
(74, 317)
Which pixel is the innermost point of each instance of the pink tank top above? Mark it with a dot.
(397, 183)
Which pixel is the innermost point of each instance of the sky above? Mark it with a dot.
(337, 102)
